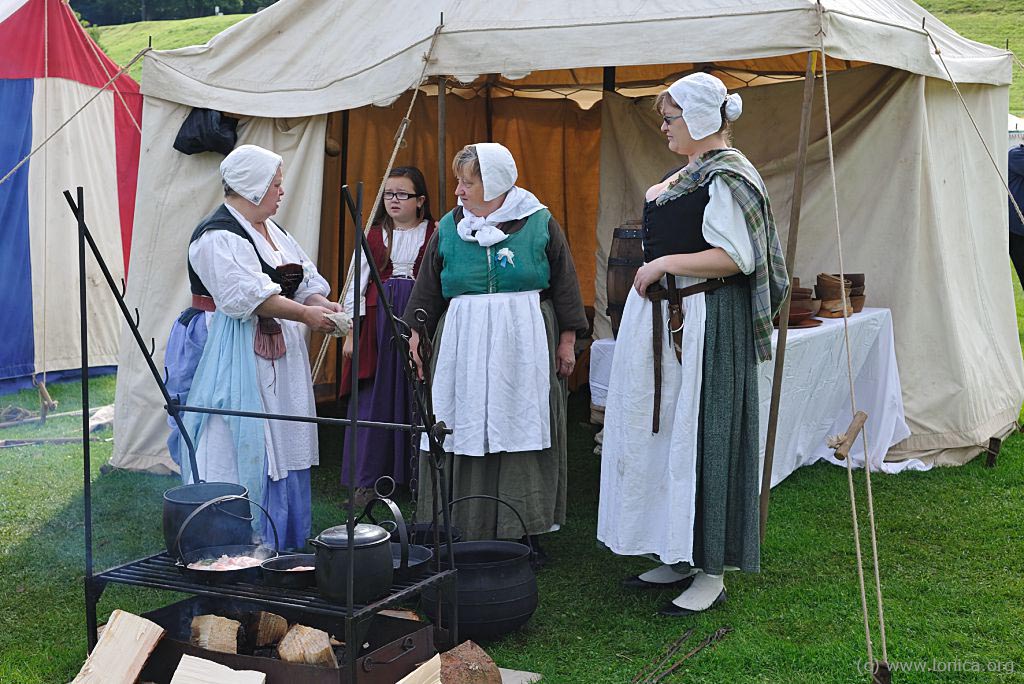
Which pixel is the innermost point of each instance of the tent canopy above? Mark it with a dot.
(49, 70)
(932, 237)
(350, 54)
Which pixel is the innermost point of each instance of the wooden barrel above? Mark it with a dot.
(624, 258)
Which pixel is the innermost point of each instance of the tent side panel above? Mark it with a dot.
(16, 353)
(81, 154)
(127, 140)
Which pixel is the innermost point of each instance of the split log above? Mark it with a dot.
(192, 670)
(467, 663)
(307, 645)
(265, 629)
(427, 673)
(122, 651)
(215, 633)
(402, 614)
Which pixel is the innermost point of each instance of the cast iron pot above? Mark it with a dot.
(497, 589)
(226, 524)
(371, 557)
(277, 572)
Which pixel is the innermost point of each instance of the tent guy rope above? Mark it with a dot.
(399, 143)
(99, 91)
(998, 168)
(879, 669)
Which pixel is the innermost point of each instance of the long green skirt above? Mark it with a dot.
(726, 530)
(533, 482)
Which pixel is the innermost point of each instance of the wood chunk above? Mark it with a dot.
(192, 670)
(427, 673)
(215, 633)
(265, 629)
(402, 614)
(467, 663)
(122, 651)
(307, 645)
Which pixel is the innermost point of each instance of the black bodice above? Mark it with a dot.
(675, 227)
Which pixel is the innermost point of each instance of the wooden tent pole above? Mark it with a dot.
(791, 242)
(442, 154)
(339, 358)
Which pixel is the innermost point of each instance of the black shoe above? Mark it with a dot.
(672, 610)
(634, 582)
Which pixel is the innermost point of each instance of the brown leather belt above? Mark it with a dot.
(203, 303)
(674, 296)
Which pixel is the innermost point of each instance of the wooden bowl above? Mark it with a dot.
(856, 279)
(857, 301)
(812, 305)
(796, 317)
(833, 308)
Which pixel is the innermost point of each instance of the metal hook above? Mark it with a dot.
(152, 346)
(138, 317)
(124, 288)
(167, 376)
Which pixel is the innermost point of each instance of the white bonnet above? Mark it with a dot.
(700, 97)
(249, 170)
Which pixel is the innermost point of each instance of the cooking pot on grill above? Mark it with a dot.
(226, 523)
(203, 559)
(372, 572)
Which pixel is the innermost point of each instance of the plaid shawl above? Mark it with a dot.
(770, 284)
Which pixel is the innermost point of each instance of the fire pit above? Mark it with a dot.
(390, 648)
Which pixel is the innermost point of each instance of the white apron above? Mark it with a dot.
(491, 380)
(648, 481)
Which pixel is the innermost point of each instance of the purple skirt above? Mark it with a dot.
(387, 397)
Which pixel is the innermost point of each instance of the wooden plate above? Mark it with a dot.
(807, 323)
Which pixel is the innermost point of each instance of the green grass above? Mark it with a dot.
(949, 542)
(122, 42)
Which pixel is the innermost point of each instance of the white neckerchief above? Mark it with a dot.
(518, 204)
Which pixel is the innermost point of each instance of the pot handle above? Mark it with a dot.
(220, 500)
(403, 532)
(526, 532)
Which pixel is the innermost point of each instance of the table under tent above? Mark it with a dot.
(569, 91)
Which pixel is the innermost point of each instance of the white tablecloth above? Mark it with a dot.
(816, 392)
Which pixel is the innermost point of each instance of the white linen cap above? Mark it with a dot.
(497, 169)
(700, 96)
(249, 170)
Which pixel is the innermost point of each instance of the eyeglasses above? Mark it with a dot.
(388, 195)
(669, 119)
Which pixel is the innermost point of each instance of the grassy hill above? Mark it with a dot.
(993, 22)
(122, 42)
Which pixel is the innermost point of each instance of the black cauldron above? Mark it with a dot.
(224, 524)
(497, 588)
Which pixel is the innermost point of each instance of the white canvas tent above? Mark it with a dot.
(922, 210)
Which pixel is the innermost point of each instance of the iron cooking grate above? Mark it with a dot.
(160, 572)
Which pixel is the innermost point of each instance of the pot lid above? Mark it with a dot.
(364, 534)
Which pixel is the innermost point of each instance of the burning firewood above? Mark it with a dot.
(307, 645)
(215, 633)
(122, 650)
(192, 670)
(265, 629)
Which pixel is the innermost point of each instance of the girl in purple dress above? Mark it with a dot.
(401, 228)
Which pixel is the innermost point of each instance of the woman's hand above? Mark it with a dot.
(346, 349)
(646, 275)
(320, 300)
(565, 354)
(316, 318)
(414, 348)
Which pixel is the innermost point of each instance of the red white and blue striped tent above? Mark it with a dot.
(67, 121)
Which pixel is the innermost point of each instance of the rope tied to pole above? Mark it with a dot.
(879, 669)
(399, 143)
